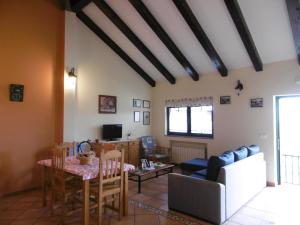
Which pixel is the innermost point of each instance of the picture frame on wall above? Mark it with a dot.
(224, 100)
(146, 104)
(136, 116)
(107, 104)
(137, 103)
(146, 118)
(256, 102)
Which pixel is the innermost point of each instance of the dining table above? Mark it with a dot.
(86, 173)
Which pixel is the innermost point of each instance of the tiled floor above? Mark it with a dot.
(278, 205)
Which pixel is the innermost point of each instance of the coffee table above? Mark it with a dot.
(158, 170)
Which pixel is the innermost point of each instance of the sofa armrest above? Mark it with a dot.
(201, 198)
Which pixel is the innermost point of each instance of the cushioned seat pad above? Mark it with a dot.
(194, 164)
(202, 173)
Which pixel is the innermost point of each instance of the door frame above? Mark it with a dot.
(277, 98)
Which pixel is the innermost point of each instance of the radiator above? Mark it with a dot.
(182, 151)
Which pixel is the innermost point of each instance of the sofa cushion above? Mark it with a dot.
(240, 153)
(200, 173)
(216, 162)
(194, 164)
(253, 149)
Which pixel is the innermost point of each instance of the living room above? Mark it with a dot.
(43, 43)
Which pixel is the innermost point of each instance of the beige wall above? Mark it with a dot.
(100, 71)
(32, 49)
(235, 124)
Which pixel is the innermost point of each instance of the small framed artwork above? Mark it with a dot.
(16, 92)
(146, 104)
(146, 118)
(225, 100)
(107, 104)
(256, 102)
(136, 116)
(137, 103)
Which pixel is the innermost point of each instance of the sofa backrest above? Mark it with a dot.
(242, 179)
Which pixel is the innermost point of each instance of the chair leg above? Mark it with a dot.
(62, 209)
(100, 205)
(120, 206)
(52, 201)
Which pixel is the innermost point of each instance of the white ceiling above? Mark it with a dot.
(267, 20)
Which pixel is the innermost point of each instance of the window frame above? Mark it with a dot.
(188, 133)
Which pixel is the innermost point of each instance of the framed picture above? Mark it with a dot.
(256, 102)
(225, 100)
(146, 104)
(136, 116)
(146, 118)
(16, 92)
(107, 104)
(137, 103)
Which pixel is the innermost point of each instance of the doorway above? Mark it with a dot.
(288, 139)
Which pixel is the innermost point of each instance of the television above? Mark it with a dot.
(111, 132)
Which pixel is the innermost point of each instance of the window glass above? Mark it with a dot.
(178, 120)
(201, 120)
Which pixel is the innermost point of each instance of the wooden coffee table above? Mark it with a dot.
(138, 174)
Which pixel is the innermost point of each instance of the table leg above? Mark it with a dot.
(44, 185)
(139, 184)
(86, 198)
(125, 194)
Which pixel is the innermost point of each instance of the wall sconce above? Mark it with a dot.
(239, 87)
(70, 79)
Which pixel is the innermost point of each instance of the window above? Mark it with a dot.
(190, 121)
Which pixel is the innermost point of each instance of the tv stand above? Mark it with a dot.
(131, 149)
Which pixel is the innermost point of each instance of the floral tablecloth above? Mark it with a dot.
(87, 172)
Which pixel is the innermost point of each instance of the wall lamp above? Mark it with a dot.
(70, 79)
(72, 73)
(239, 87)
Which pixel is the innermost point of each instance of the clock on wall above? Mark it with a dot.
(16, 92)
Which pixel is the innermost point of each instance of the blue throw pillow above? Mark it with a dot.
(216, 162)
(253, 149)
(240, 153)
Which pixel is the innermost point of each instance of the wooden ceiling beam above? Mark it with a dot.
(107, 40)
(241, 25)
(195, 26)
(164, 37)
(79, 5)
(293, 8)
(115, 19)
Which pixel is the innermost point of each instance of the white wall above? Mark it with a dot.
(235, 124)
(100, 71)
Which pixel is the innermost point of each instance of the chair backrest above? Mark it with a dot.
(111, 166)
(71, 148)
(148, 144)
(57, 167)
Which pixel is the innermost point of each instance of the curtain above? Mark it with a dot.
(184, 102)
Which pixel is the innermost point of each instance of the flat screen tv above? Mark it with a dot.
(111, 132)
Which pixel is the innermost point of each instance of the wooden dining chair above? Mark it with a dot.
(71, 148)
(62, 188)
(110, 183)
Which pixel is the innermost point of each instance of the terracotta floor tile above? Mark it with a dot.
(141, 197)
(24, 221)
(146, 220)
(11, 213)
(128, 220)
(140, 211)
(166, 221)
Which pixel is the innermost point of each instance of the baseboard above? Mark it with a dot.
(271, 184)
(20, 192)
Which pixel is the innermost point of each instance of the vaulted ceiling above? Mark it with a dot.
(167, 39)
